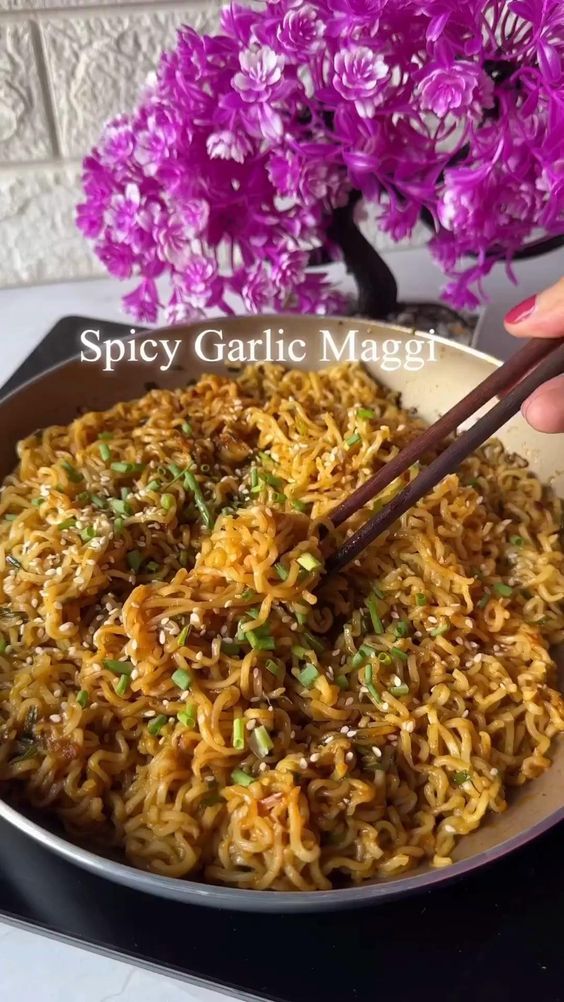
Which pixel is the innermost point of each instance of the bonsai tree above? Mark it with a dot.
(249, 151)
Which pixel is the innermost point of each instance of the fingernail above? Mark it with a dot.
(525, 407)
(521, 311)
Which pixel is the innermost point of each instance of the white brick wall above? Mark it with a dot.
(65, 67)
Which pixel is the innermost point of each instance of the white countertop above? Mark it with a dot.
(32, 966)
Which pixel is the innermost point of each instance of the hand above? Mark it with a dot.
(542, 316)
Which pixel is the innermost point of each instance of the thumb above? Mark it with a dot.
(539, 316)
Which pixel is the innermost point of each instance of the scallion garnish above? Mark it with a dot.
(439, 631)
(156, 724)
(98, 502)
(182, 679)
(105, 436)
(400, 628)
(266, 458)
(364, 652)
(82, 698)
(484, 600)
(167, 501)
(377, 624)
(503, 589)
(366, 413)
(183, 635)
(298, 505)
(72, 473)
(37, 501)
(3, 645)
(122, 685)
(122, 467)
(460, 777)
(342, 681)
(384, 658)
(399, 690)
(396, 652)
(274, 667)
(186, 427)
(67, 524)
(120, 506)
(193, 485)
(308, 561)
(281, 571)
(353, 440)
(88, 533)
(238, 739)
(420, 598)
(118, 667)
(308, 675)
(378, 592)
(230, 647)
(187, 717)
(119, 524)
(134, 560)
(105, 451)
(313, 643)
(262, 741)
(10, 518)
(260, 642)
(372, 690)
(299, 652)
(183, 558)
(83, 497)
(516, 540)
(242, 778)
(153, 485)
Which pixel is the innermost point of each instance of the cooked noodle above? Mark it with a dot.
(204, 700)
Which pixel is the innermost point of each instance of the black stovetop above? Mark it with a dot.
(493, 936)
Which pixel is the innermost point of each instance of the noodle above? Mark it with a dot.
(180, 682)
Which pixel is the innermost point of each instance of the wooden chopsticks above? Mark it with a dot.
(546, 355)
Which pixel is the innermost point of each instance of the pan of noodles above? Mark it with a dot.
(191, 707)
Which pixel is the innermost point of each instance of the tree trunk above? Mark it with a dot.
(377, 287)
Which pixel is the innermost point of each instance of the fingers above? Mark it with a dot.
(539, 316)
(544, 409)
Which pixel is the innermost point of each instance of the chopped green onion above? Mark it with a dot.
(397, 653)
(10, 518)
(72, 473)
(134, 560)
(152, 566)
(364, 651)
(122, 685)
(308, 675)
(105, 451)
(183, 558)
(119, 524)
(186, 427)
(242, 778)
(82, 698)
(399, 690)
(439, 631)
(377, 592)
(342, 681)
(420, 598)
(37, 501)
(299, 652)
(238, 740)
(266, 458)
(313, 643)
(83, 497)
(400, 628)
(121, 467)
(516, 540)
(230, 647)
(471, 482)
(353, 440)
(67, 524)
(88, 533)
(372, 690)
(153, 485)
(157, 723)
(262, 740)
(183, 635)
(301, 617)
(274, 667)
(13, 561)
(3, 645)
(377, 623)
(254, 478)
(182, 679)
(249, 594)
(98, 502)
(118, 667)
(281, 571)
(460, 777)
(484, 600)
(187, 717)
(120, 506)
(191, 482)
(503, 589)
(308, 561)
(167, 501)
(260, 643)
(366, 413)
(298, 505)
(384, 658)
(105, 436)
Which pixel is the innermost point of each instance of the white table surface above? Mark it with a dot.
(42, 969)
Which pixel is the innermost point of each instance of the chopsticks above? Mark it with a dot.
(548, 355)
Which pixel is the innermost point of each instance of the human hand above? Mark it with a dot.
(542, 316)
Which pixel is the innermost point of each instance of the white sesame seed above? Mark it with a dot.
(55, 718)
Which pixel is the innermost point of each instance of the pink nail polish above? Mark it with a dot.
(521, 311)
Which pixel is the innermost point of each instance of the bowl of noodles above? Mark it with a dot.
(190, 706)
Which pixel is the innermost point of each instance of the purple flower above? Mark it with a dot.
(261, 72)
(118, 258)
(199, 282)
(89, 219)
(123, 215)
(143, 302)
(257, 289)
(358, 75)
(445, 89)
(228, 145)
(301, 30)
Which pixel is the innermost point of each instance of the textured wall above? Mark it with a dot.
(65, 67)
